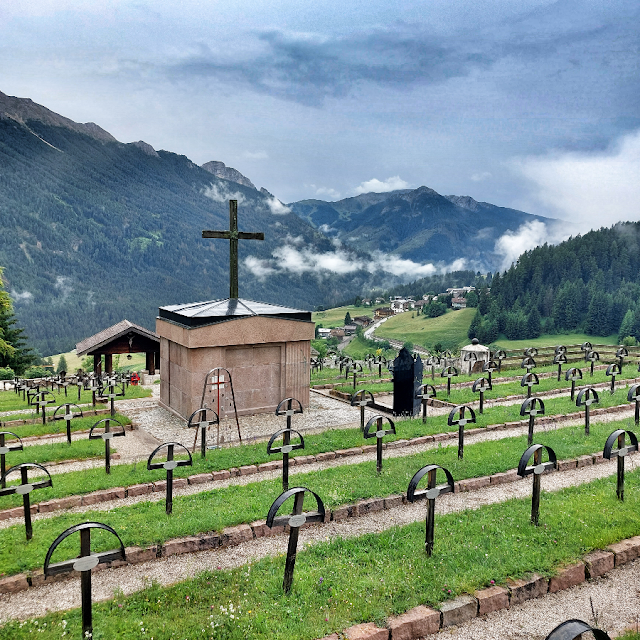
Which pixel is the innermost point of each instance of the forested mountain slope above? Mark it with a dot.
(590, 282)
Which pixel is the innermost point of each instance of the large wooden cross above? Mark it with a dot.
(233, 235)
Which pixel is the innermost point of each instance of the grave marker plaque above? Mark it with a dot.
(586, 397)
(529, 380)
(457, 417)
(574, 374)
(374, 429)
(532, 407)
(617, 437)
(169, 466)
(634, 396)
(295, 521)
(560, 359)
(83, 564)
(593, 357)
(107, 435)
(480, 386)
(68, 415)
(448, 373)
(360, 399)
(285, 450)
(429, 494)
(537, 469)
(24, 489)
(7, 448)
(203, 419)
(425, 392)
(613, 370)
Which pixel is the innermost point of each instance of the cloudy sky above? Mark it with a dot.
(530, 104)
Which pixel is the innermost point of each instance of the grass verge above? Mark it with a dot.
(60, 426)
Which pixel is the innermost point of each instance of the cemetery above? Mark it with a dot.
(262, 492)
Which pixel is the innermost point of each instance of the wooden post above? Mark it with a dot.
(149, 363)
(108, 363)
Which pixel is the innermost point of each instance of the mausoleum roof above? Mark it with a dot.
(198, 314)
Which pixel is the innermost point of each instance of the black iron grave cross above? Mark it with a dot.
(432, 492)
(379, 433)
(25, 488)
(617, 437)
(4, 449)
(169, 466)
(537, 469)
(233, 235)
(295, 521)
(107, 435)
(87, 561)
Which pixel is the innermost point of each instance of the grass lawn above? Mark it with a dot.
(60, 426)
(548, 340)
(11, 401)
(450, 329)
(335, 317)
(137, 362)
(358, 349)
(343, 582)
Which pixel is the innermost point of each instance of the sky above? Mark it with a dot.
(532, 104)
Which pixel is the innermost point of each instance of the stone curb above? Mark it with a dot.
(595, 564)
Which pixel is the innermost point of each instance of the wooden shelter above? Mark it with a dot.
(124, 337)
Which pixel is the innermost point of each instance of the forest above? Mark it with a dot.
(589, 283)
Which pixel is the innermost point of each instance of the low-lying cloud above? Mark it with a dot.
(381, 186)
(219, 193)
(529, 236)
(25, 296)
(291, 259)
(276, 207)
(591, 190)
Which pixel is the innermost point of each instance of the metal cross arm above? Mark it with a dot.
(201, 422)
(617, 437)
(294, 521)
(7, 448)
(285, 450)
(532, 407)
(379, 433)
(573, 630)
(233, 235)
(83, 564)
(429, 494)
(360, 399)
(536, 469)
(169, 466)
(24, 489)
(107, 436)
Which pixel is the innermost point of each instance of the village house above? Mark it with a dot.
(337, 333)
(324, 333)
(458, 303)
(350, 329)
(362, 321)
(383, 312)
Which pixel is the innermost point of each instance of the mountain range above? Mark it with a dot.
(95, 230)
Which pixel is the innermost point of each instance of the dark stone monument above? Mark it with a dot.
(407, 379)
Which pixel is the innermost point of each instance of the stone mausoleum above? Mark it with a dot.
(266, 349)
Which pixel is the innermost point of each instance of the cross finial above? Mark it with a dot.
(233, 235)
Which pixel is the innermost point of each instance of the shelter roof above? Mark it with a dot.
(114, 332)
(198, 314)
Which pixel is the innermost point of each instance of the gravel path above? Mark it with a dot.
(63, 595)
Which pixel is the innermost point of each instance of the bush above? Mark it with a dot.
(408, 346)
(7, 373)
(36, 372)
(629, 341)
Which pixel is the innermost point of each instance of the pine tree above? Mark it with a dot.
(14, 351)
(62, 364)
(347, 318)
(476, 325)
